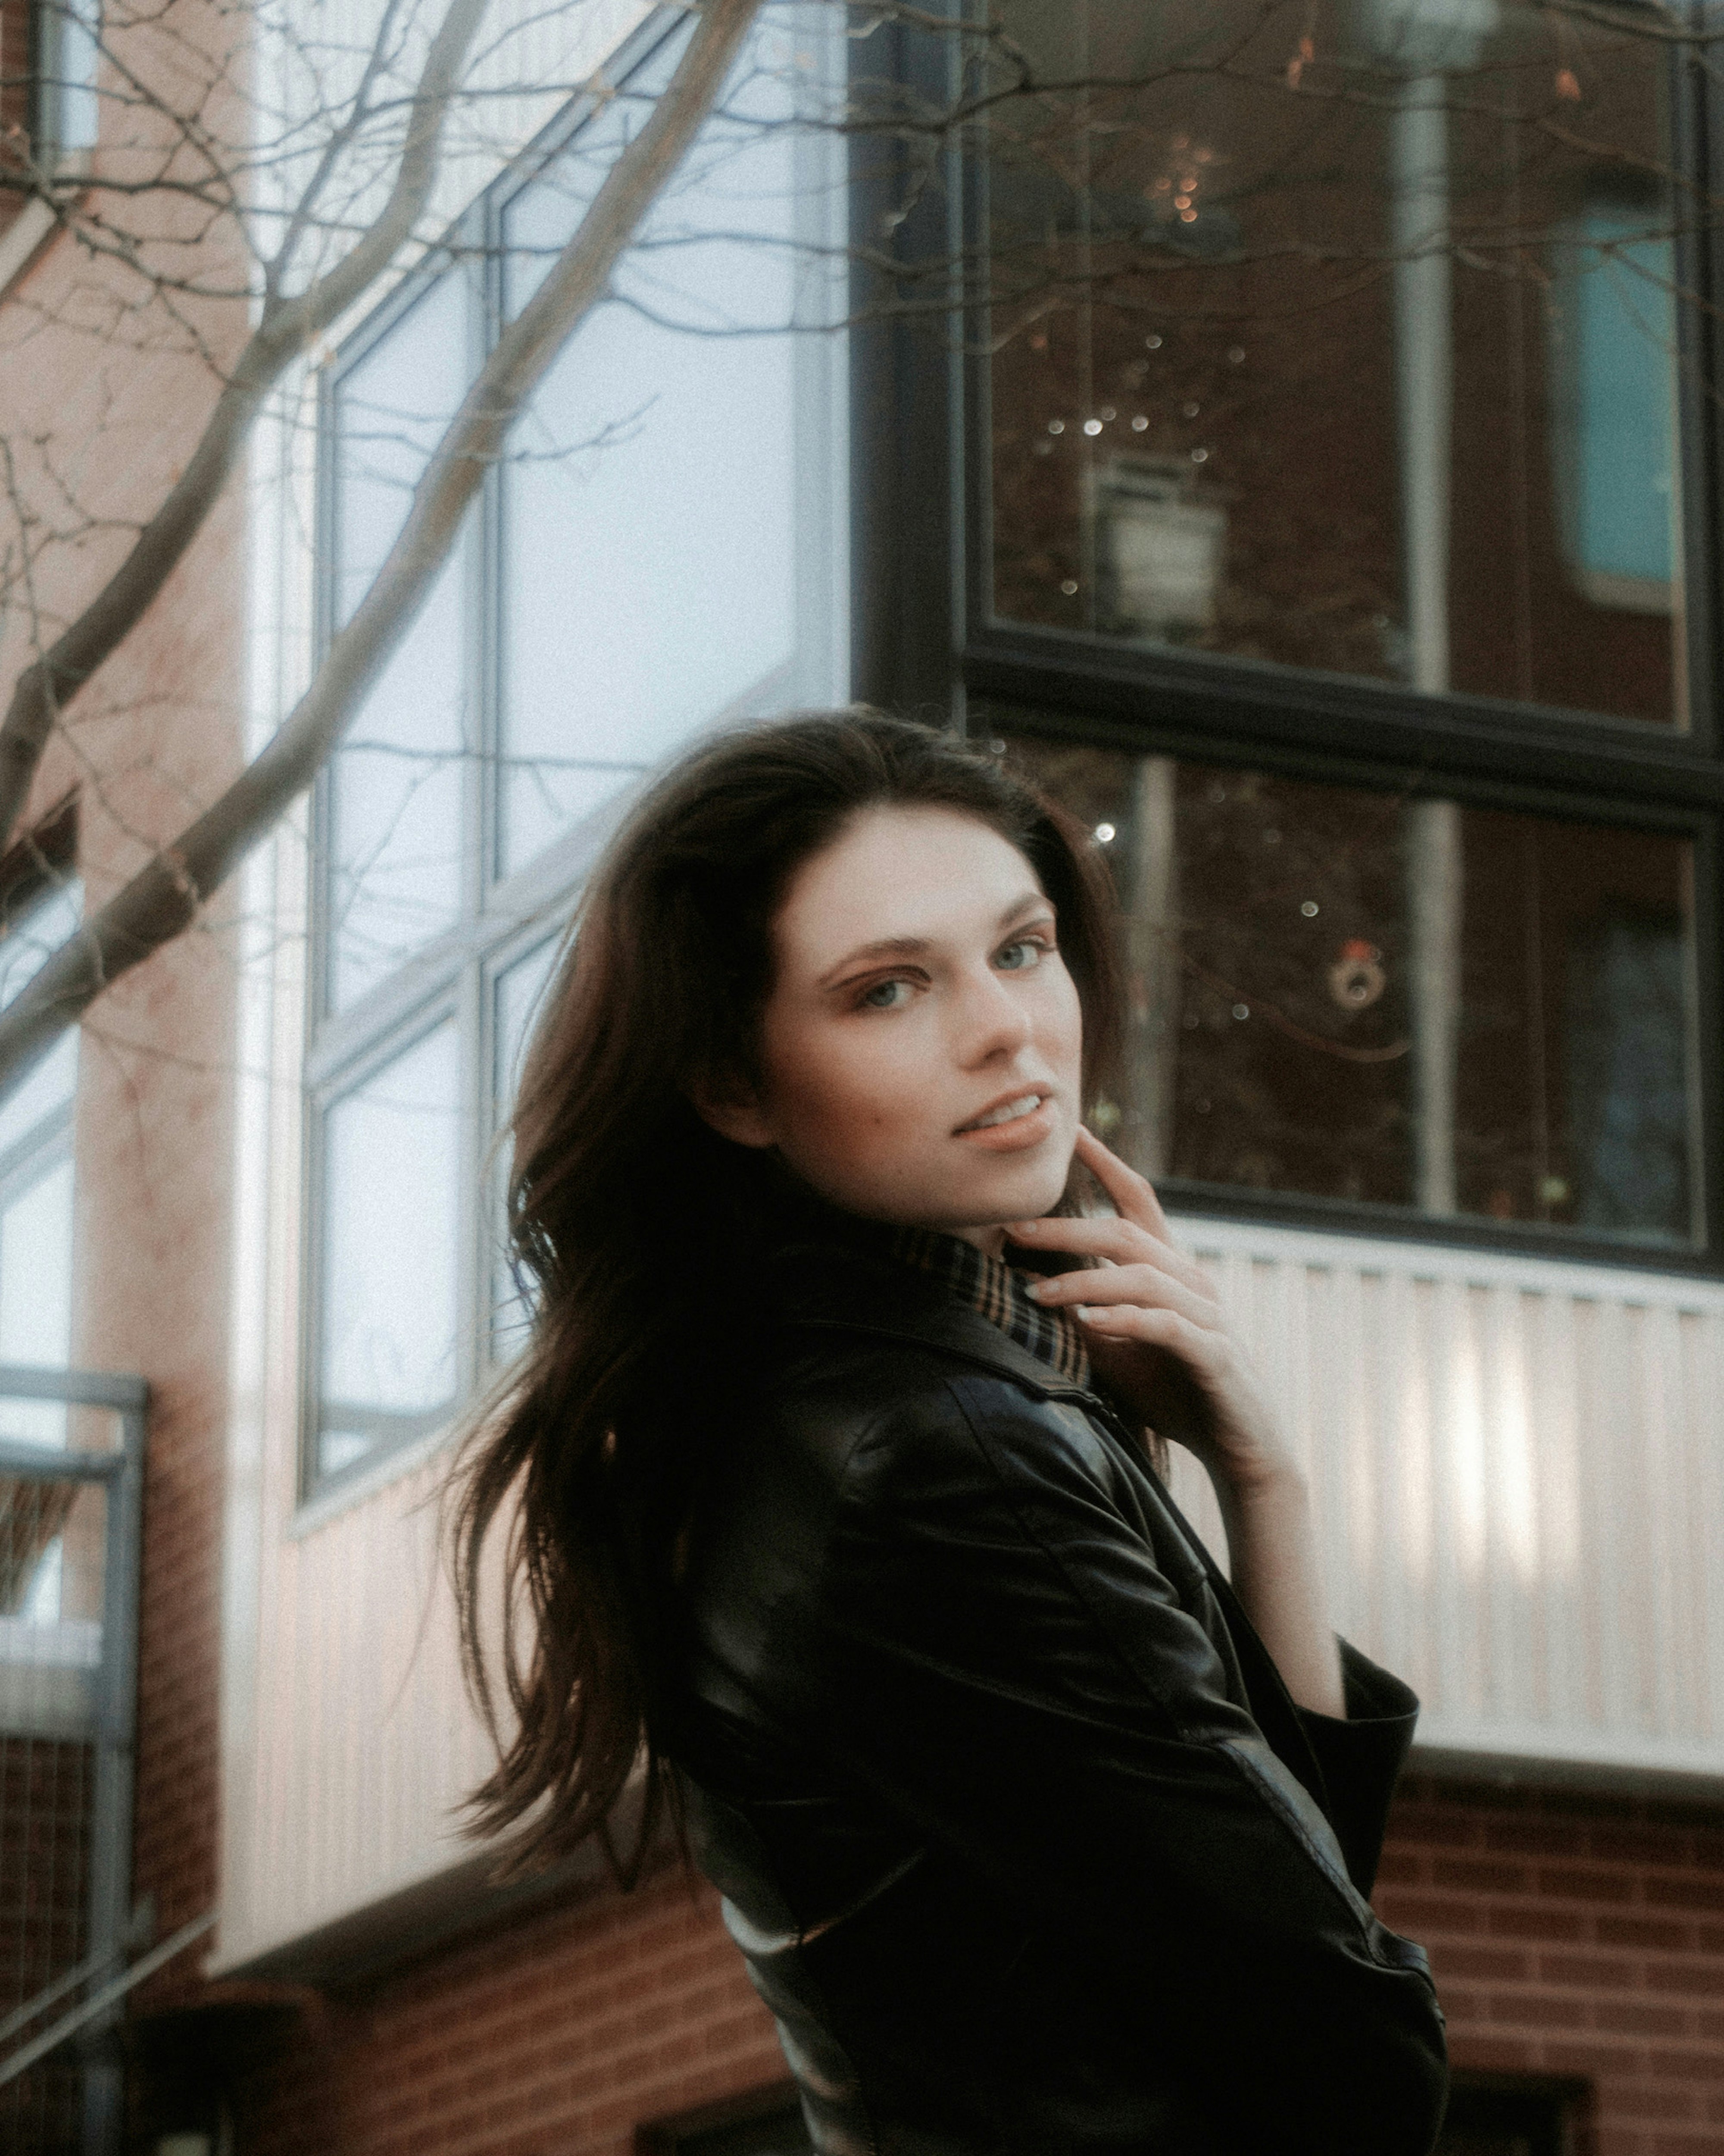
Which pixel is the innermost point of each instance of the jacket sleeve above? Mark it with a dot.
(1008, 1668)
(1362, 1757)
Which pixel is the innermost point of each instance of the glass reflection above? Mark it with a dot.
(519, 994)
(387, 1320)
(27, 946)
(1355, 996)
(36, 1291)
(648, 521)
(1342, 335)
(36, 1217)
(396, 786)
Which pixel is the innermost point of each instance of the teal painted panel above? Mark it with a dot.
(1616, 339)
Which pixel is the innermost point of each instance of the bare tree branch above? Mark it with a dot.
(164, 897)
(288, 324)
(1662, 24)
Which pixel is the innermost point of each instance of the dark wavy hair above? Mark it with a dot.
(633, 1225)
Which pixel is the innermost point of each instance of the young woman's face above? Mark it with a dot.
(921, 1046)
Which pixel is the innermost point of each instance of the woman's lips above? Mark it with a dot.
(1016, 1135)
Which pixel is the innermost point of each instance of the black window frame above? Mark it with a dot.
(925, 643)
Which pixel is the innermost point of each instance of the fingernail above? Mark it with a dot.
(1019, 1229)
(1039, 1289)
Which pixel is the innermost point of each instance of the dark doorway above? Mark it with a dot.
(1495, 2115)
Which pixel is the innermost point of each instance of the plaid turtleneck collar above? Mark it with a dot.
(994, 1290)
(1000, 1292)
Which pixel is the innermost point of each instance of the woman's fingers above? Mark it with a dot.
(1151, 1286)
(1214, 1406)
(1156, 1322)
(1121, 1241)
(1132, 1194)
(1103, 1236)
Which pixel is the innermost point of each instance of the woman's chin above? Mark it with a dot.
(983, 1188)
(1021, 1189)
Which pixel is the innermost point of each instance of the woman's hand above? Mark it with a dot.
(1157, 1336)
(1161, 1345)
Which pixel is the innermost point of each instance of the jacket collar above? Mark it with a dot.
(829, 1285)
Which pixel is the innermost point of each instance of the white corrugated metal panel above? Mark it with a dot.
(1518, 1470)
(361, 1745)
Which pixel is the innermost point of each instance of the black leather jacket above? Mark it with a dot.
(1026, 1846)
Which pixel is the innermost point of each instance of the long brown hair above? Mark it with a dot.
(631, 1222)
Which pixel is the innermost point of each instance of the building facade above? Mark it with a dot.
(1308, 468)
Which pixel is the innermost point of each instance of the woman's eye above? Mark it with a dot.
(885, 995)
(1019, 957)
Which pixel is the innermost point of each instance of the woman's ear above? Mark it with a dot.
(732, 1109)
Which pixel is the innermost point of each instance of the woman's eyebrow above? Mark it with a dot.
(913, 947)
(888, 947)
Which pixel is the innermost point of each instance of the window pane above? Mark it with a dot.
(1346, 343)
(27, 946)
(388, 1317)
(36, 1274)
(395, 788)
(68, 37)
(1355, 996)
(650, 511)
(518, 994)
(391, 407)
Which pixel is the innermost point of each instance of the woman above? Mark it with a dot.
(834, 1448)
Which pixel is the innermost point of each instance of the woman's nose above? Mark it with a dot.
(993, 1021)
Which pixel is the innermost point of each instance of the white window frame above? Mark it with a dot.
(505, 919)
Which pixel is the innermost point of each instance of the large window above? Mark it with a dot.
(1371, 372)
(656, 553)
(1334, 433)
(1343, 992)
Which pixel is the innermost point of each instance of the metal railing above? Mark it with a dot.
(71, 1476)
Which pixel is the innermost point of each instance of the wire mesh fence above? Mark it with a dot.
(70, 1460)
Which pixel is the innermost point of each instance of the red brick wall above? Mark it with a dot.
(1575, 1935)
(552, 2038)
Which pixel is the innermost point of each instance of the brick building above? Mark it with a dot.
(1397, 708)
